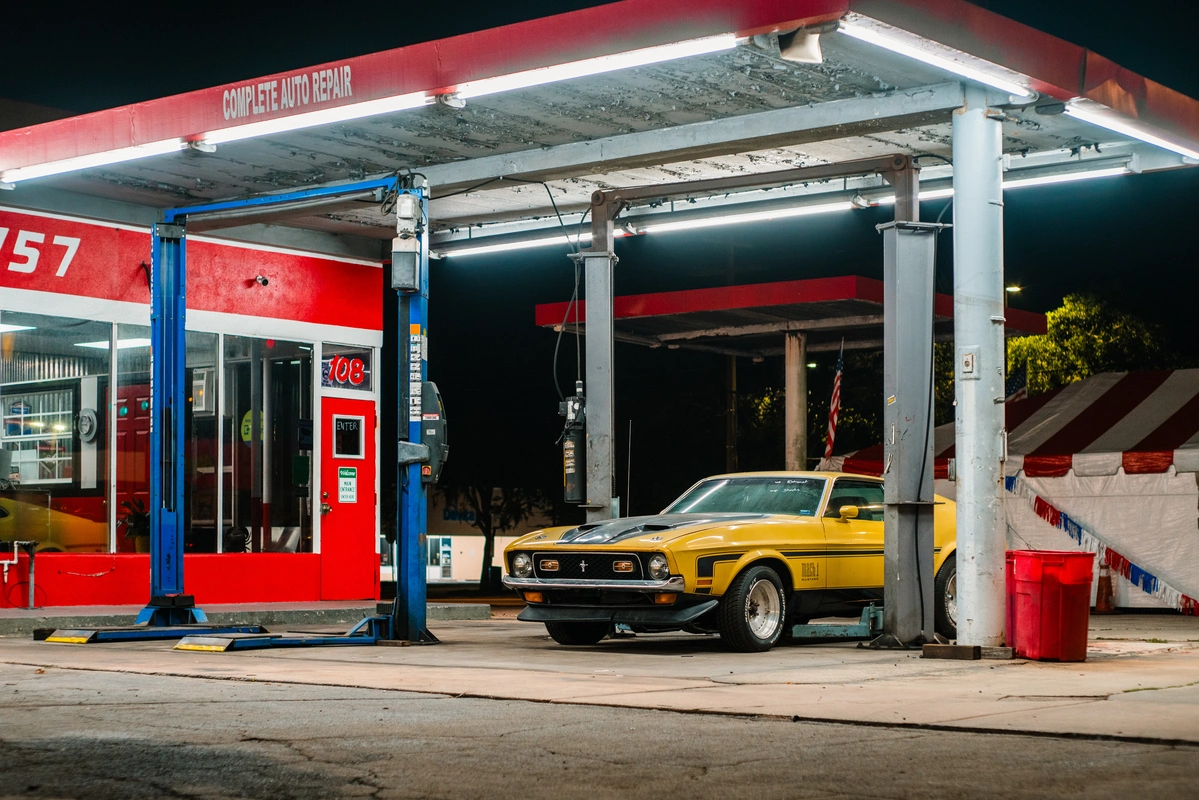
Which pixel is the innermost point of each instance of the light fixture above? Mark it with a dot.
(325, 116)
(14, 328)
(1064, 177)
(811, 365)
(633, 226)
(1104, 117)
(525, 244)
(92, 160)
(596, 66)
(750, 216)
(122, 344)
(984, 73)
(1012, 289)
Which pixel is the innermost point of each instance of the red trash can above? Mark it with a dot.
(1049, 603)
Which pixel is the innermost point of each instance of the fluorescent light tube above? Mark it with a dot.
(324, 116)
(92, 160)
(990, 78)
(596, 66)
(1106, 118)
(751, 216)
(122, 344)
(1064, 177)
(14, 328)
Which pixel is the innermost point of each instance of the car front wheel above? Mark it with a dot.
(576, 633)
(752, 612)
(946, 591)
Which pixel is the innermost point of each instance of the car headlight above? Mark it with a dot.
(659, 570)
(522, 565)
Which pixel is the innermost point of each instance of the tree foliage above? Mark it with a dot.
(495, 511)
(1086, 336)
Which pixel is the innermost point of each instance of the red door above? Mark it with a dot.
(349, 563)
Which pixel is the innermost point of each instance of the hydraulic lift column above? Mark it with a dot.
(909, 248)
(978, 335)
(601, 396)
(410, 277)
(168, 349)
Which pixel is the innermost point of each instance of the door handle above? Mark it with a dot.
(326, 508)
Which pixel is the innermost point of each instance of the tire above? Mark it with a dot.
(945, 591)
(577, 633)
(752, 613)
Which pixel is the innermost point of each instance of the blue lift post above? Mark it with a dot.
(171, 613)
(409, 608)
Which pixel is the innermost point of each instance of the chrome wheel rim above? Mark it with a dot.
(951, 599)
(763, 609)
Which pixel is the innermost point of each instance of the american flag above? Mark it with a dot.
(834, 407)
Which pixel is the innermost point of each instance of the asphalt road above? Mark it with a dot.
(85, 734)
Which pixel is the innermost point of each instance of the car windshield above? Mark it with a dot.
(796, 496)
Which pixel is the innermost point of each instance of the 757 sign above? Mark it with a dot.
(26, 255)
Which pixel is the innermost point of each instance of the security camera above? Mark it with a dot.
(262, 280)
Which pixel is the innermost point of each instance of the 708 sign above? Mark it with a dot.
(23, 249)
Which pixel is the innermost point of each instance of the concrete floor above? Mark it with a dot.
(102, 735)
(501, 711)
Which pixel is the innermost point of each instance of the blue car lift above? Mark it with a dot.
(172, 614)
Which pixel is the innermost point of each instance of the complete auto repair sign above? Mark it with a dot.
(49, 255)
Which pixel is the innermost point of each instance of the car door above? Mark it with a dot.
(855, 545)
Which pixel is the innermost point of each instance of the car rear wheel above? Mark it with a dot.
(752, 612)
(946, 591)
(576, 633)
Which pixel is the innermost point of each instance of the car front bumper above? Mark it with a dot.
(672, 584)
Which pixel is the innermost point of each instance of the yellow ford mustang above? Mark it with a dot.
(745, 555)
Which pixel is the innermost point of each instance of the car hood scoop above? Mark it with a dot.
(616, 530)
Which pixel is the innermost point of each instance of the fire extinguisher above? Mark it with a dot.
(574, 447)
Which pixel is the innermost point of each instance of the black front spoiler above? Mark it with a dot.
(628, 615)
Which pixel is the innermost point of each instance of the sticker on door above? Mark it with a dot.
(347, 484)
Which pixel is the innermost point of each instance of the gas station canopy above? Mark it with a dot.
(749, 320)
(632, 93)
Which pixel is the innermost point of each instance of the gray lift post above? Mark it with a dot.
(598, 389)
(909, 248)
(978, 333)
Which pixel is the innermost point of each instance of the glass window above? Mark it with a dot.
(796, 496)
(267, 429)
(133, 439)
(200, 445)
(54, 380)
(866, 495)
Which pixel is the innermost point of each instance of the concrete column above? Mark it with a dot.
(795, 401)
(978, 337)
(598, 388)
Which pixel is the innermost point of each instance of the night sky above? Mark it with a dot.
(1128, 240)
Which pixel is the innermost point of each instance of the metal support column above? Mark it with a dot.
(409, 610)
(795, 401)
(168, 349)
(978, 336)
(908, 270)
(598, 388)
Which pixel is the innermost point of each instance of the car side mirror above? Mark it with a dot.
(848, 512)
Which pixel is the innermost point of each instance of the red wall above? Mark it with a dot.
(64, 579)
(108, 264)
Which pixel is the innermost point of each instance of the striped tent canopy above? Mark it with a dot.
(1143, 422)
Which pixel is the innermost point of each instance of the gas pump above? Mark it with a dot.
(574, 447)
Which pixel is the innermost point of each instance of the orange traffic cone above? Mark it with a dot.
(1104, 593)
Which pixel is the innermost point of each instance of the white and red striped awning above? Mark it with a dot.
(1143, 422)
